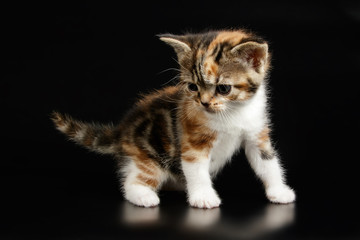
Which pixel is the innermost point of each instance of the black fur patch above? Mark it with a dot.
(104, 140)
(158, 135)
(266, 155)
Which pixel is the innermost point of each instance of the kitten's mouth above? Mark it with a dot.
(211, 110)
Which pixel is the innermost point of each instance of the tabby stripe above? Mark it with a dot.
(215, 51)
(198, 69)
(175, 164)
(152, 182)
(219, 53)
(197, 72)
(160, 140)
(141, 136)
(252, 85)
(197, 80)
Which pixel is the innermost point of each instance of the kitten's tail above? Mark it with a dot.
(99, 138)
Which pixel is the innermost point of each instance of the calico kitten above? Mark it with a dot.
(185, 134)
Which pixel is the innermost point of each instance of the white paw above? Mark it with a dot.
(280, 194)
(206, 198)
(143, 197)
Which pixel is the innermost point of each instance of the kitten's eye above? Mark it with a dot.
(223, 89)
(193, 87)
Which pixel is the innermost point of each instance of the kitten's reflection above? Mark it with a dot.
(201, 218)
(278, 215)
(269, 219)
(134, 215)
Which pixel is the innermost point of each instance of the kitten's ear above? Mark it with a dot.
(253, 54)
(179, 43)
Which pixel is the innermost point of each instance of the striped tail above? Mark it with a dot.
(95, 137)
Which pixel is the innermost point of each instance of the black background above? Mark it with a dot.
(92, 60)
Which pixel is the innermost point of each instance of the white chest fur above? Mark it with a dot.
(244, 121)
(224, 147)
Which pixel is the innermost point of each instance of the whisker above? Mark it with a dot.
(169, 69)
(172, 79)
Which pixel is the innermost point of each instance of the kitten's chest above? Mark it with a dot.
(223, 149)
(231, 133)
(225, 145)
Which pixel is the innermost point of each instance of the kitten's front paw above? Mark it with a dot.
(206, 198)
(280, 194)
(143, 197)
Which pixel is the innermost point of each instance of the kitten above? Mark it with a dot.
(185, 134)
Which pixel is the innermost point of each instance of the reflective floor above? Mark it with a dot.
(89, 218)
(267, 221)
(81, 207)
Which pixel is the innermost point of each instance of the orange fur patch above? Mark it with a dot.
(264, 145)
(202, 141)
(185, 148)
(232, 37)
(214, 68)
(264, 138)
(241, 86)
(210, 67)
(147, 181)
(140, 157)
(197, 137)
(197, 134)
(188, 158)
(145, 168)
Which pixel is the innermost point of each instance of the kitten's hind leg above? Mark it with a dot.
(140, 183)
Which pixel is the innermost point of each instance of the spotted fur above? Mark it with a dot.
(186, 133)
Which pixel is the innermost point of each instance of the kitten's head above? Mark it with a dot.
(220, 68)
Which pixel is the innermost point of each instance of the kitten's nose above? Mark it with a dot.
(205, 104)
